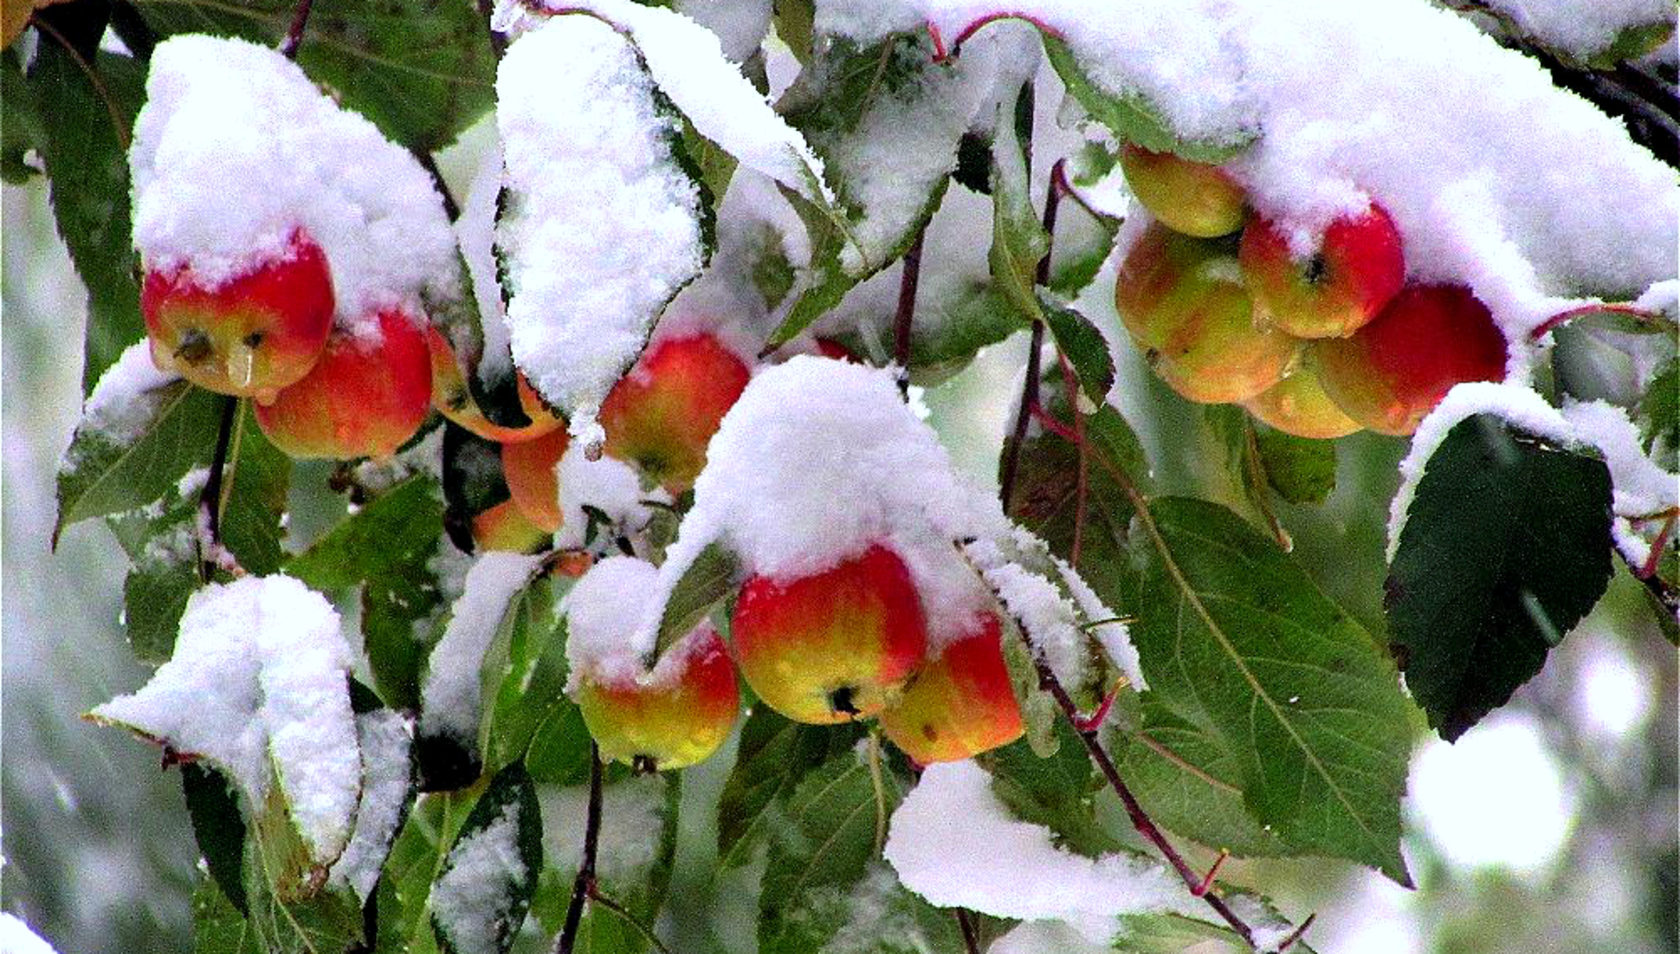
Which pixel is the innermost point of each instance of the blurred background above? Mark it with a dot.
(1551, 827)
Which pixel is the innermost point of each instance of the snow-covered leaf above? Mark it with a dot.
(387, 791)
(1505, 548)
(1057, 791)
(484, 887)
(708, 581)
(522, 677)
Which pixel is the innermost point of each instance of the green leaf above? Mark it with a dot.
(104, 476)
(256, 479)
(523, 679)
(1658, 415)
(1085, 347)
(218, 926)
(1058, 791)
(290, 911)
(775, 756)
(708, 581)
(20, 127)
(1019, 241)
(1301, 470)
(415, 860)
(1505, 547)
(218, 827)
(1237, 640)
(421, 71)
(386, 548)
(511, 791)
(85, 152)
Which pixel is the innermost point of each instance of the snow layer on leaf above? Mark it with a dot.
(236, 148)
(1529, 194)
(1046, 937)
(607, 485)
(17, 938)
(257, 686)
(1640, 485)
(475, 231)
(603, 225)
(632, 813)
(1582, 27)
(954, 842)
(450, 699)
(474, 895)
(384, 737)
(125, 400)
(819, 460)
(740, 25)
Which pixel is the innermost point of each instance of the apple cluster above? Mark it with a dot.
(1320, 345)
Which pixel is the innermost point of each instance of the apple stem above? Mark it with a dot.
(908, 281)
(294, 34)
(584, 887)
(211, 498)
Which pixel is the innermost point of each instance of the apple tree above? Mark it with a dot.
(463, 518)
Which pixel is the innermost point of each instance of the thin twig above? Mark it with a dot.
(971, 937)
(908, 281)
(210, 499)
(583, 887)
(294, 34)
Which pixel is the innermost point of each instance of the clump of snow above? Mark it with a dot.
(472, 901)
(603, 225)
(384, 738)
(123, 403)
(1641, 486)
(954, 842)
(17, 938)
(475, 231)
(607, 485)
(450, 699)
(608, 634)
(236, 149)
(257, 686)
(1345, 101)
(818, 461)
(632, 814)
(1582, 27)
(740, 25)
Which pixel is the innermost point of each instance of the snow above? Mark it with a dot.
(236, 148)
(740, 25)
(632, 816)
(1582, 27)
(1046, 937)
(608, 632)
(472, 899)
(1641, 487)
(123, 403)
(384, 738)
(257, 686)
(17, 938)
(953, 842)
(603, 225)
(1533, 216)
(607, 485)
(819, 460)
(450, 698)
(475, 232)
(877, 919)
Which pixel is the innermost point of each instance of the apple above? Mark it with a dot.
(505, 528)
(1193, 198)
(1184, 302)
(833, 646)
(454, 400)
(363, 398)
(528, 467)
(661, 415)
(249, 336)
(1298, 405)
(1391, 373)
(673, 717)
(960, 704)
(1335, 291)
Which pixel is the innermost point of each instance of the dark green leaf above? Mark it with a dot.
(218, 926)
(1299, 469)
(1057, 791)
(420, 70)
(218, 828)
(510, 791)
(1083, 345)
(523, 678)
(416, 857)
(1506, 546)
(256, 479)
(1236, 640)
(708, 581)
(775, 757)
(20, 128)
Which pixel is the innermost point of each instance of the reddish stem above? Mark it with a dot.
(294, 34)
(1649, 568)
(1202, 889)
(941, 53)
(584, 886)
(1070, 384)
(907, 284)
(1564, 317)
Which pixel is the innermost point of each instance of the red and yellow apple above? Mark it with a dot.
(453, 399)
(1298, 405)
(1357, 268)
(959, 704)
(365, 397)
(505, 528)
(1194, 198)
(832, 646)
(661, 415)
(1184, 302)
(249, 336)
(675, 716)
(1391, 373)
(528, 468)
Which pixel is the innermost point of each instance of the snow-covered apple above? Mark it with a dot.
(832, 646)
(248, 336)
(528, 467)
(1195, 198)
(958, 704)
(663, 413)
(453, 399)
(1391, 373)
(674, 716)
(367, 395)
(1334, 291)
(1298, 405)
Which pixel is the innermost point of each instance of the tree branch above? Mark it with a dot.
(294, 34)
(210, 499)
(584, 887)
(971, 938)
(908, 281)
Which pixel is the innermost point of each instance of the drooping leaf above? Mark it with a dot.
(1019, 241)
(494, 891)
(1236, 640)
(708, 581)
(1058, 791)
(523, 678)
(1299, 469)
(1506, 546)
(219, 829)
(256, 480)
(1083, 345)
